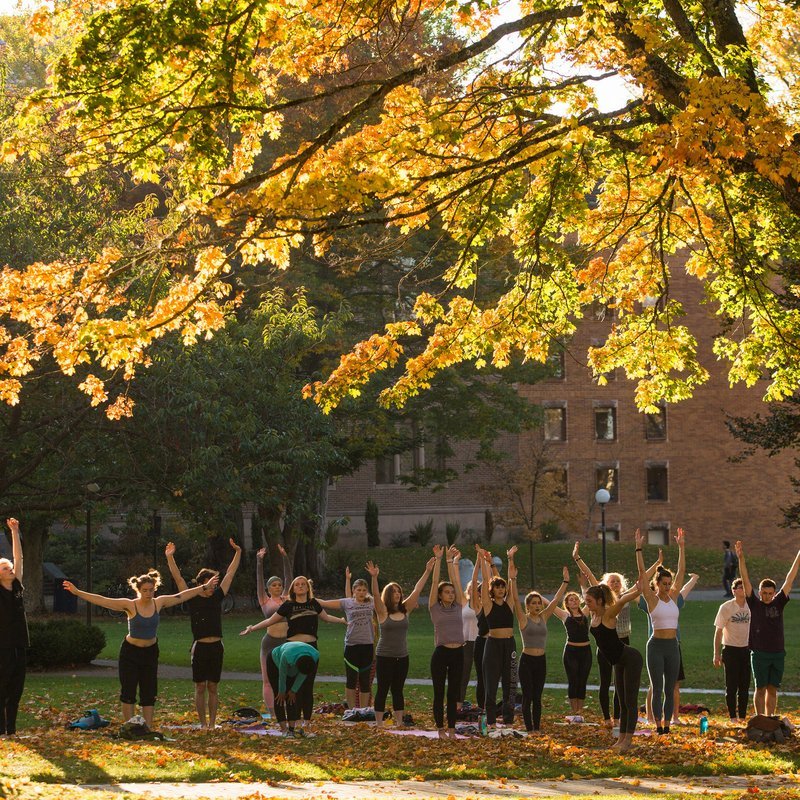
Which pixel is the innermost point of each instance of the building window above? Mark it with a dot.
(556, 364)
(605, 423)
(655, 425)
(555, 424)
(612, 532)
(557, 479)
(657, 482)
(385, 470)
(608, 478)
(658, 533)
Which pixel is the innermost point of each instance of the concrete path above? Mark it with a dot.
(417, 790)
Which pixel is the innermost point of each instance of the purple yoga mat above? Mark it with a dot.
(419, 732)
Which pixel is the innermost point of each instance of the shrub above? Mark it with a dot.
(451, 532)
(371, 524)
(422, 533)
(64, 643)
(398, 540)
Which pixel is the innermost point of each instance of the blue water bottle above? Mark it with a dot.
(703, 724)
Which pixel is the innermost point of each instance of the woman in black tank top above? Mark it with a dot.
(577, 655)
(604, 607)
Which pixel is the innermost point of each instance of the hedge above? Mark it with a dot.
(64, 643)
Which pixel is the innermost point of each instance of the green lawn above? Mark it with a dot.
(242, 653)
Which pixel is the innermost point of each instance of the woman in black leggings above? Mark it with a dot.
(533, 662)
(577, 653)
(500, 643)
(604, 608)
(447, 661)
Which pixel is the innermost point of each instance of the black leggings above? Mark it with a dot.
(138, 667)
(606, 674)
(628, 675)
(447, 664)
(480, 687)
(304, 697)
(532, 674)
(391, 674)
(737, 679)
(358, 666)
(13, 664)
(578, 665)
(469, 657)
(497, 669)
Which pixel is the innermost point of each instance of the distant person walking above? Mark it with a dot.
(730, 566)
(14, 640)
(207, 650)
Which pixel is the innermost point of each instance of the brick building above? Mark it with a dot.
(663, 471)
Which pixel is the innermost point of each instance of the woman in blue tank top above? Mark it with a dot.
(138, 655)
(391, 662)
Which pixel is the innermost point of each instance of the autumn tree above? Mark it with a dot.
(491, 132)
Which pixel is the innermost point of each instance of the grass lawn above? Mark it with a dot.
(242, 652)
(48, 753)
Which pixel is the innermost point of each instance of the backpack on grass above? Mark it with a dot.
(761, 728)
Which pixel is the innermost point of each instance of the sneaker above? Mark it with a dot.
(289, 733)
(302, 733)
(577, 719)
(615, 731)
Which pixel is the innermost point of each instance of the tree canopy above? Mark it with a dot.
(276, 127)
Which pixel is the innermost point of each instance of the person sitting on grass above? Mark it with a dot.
(138, 654)
(766, 633)
(206, 619)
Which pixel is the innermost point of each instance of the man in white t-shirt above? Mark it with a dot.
(732, 633)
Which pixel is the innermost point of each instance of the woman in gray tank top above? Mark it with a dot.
(533, 662)
(391, 662)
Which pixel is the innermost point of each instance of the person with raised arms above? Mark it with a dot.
(768, 653)
(271, 597)
(533, 661)
(207, 651)
(14, 637)
(391, 655)
(447, 662)
(138, 654)
(663, 652)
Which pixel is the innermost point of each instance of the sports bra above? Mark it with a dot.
(665, 615)
(500, 616)
(140, 627)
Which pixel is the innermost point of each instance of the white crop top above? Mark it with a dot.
(665, 615)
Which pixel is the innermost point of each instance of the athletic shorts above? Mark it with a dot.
(767, 668)
(207, 661)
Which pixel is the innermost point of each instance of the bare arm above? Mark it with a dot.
(582, 566)
(455, 574)
(438, 551)
(687, 587)
(265, 623)
(169, 552)
(486, 573)
(331, 605)
(169, 600)
(326, 617)
(792, 574)
(475, 595)
(348, 586)
(261, 589)
(114, 603)
(680, 538)
(718, 647)
(623, 600)
(412, 601)
(225, 584)
(639, 552)
(287, 568)
(652, 569)
(16, 547)
(644, 580)
(553, 606)
(380, 608)
(748, 587)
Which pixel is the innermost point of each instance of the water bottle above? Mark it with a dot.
(482, 723)
(704, 724)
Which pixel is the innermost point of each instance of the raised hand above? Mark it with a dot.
(13, 524)
(738, 548)
(235, 546)
(212, 583)
(70, 587)
(373, 569)
(453, 552)
(281, 549)
(638, 538)
(565, 574)
(169, 550)
(680, 537)
(347, 574)
(511, 552)
(438, 550)
(261, 553)
(576, 551)
(431, 563)
(660, 559)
